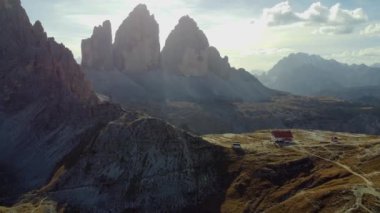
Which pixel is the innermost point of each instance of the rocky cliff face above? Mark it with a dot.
(97, 50)
(52, 126)
(45, 103)
(185, 50)
(128, 168)
(188, 52)
(137, 45)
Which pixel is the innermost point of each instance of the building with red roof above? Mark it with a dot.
(282, 136)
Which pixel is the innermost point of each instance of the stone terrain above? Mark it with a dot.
(185, 50)
(52, 124)
(97, 51)
(46, 106)
(137, 45)
(188, 68)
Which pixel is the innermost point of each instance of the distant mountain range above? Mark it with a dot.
(377, 65)
(312, 75)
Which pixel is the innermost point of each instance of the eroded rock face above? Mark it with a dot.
(216, 63)
(28, 58)
(97, 50)
(138, 163)
(45, 103)
(50, 119)
(137, 45)
(185, 50)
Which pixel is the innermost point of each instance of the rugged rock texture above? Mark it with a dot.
(191, 71)
(185, 50)
(310, 175)
(128, 168)
(52, 126)
(46, 106)
(97, 50)
(137, 45)
(217, 64)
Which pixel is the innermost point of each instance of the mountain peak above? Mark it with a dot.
(188, 22)
(137, 45)
(97, 50)
(185, 49)
(141, 8)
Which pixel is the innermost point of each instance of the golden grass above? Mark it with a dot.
(339, 170)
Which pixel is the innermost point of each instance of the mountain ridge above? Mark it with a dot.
(304, 74)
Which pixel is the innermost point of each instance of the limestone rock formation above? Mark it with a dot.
(97, 50)
(185, 49)
(52, 124)
(137, 45)
(45, 103)
(187, 52)
(216, 63)
(140, 164)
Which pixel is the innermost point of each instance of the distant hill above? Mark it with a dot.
(377, 65)
(309, 75)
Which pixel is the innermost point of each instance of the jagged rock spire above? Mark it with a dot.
(137, 45)
(185, 49)
(97, 50)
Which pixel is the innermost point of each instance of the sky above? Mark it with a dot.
(254, 34)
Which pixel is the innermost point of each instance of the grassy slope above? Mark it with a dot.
(312, 175)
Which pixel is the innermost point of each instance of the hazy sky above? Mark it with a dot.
(255, 34)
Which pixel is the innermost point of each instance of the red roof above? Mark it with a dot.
(282, 134)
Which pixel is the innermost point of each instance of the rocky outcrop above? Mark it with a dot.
(46, 106)
(216, 63)
(97, 50)
(185, 50)
(52, 126)
(137, 45)
(138, 163)
(28, 58)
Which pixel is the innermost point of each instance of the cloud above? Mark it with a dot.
(280, 14)
(268, 51)
(334, 30)
(368, 55)
(333, 20)
(371, 30)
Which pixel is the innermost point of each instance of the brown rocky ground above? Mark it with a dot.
(312, 175)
